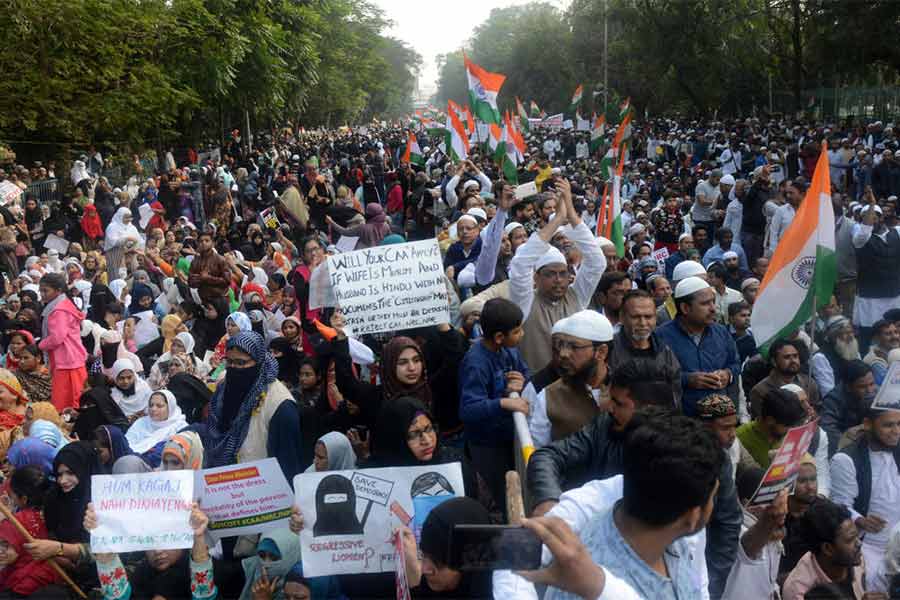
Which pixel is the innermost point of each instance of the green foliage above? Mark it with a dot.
(141, 72)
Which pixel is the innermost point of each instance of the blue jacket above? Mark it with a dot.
(457, 259)
(715, 351)
(482, 383)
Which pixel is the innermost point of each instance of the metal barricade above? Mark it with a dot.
(46, 191)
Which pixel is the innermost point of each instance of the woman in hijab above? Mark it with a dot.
(292, 331)
(182, 380)
(73, 466)
(34, 220)
(164, 419)
(48, 433)
(111, 445)
(17, 341)
(141, 299)
(130, 392)
(333, 453)
(112, 348)
(252, 415)
(182, 349)
(121, 235)
(438, 580)
(41, 411)
(12, 401)
(33, 375)
(403, 374)
(96, 408)
(234, 324)
(371, 232)
(91, 226)
(95, 269)
(32, 451)
(276, 554)
(183, 451)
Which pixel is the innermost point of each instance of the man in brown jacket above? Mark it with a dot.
(209, 273)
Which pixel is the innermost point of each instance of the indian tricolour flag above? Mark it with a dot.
(483, 89)
(456, 140)
(598, 131)
(413, 154)
(510, 158)
(614, 230)
(576, 97)
(535, 109)
(523, 116)
(803, 269)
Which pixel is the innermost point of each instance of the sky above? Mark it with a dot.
(431, 29)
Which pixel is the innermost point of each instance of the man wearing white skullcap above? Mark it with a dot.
(683, 270)
(705, 349)
(878, 255)
(490, 267)
(540, 283)
(571, 402)
(685, 243)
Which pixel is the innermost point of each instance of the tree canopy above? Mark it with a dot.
(142, 71)
(686, 56)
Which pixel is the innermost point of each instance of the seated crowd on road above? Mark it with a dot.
(165, 321)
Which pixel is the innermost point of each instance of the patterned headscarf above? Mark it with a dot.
(222, 446)
(186, 447)
(169, 327)
(715, 406)
(393, 388)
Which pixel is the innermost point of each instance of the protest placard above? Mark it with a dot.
(9, 192)
(662, 254)
(554, 122)
(320, 291)
(888, 396)
(245, 498)
(54, 242)
(782, 472)
(388, 288)
(270, 218)
(349, 516)
(146, 212)
(346, 243)
(142, 511)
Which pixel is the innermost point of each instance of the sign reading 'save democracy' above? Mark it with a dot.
(142, 511)
(245, 498)
(393, 287)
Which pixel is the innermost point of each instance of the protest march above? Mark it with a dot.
(476, 351)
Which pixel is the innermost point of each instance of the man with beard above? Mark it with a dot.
(643, 533)
(866, 478)
(838, 347)
(806, 491)
(886, 338)
(833, 556)
(705, 350)
(735, 275)
(565, 406)
(784, 357)
(750, 290)
(846, 405)
(596, 452)
(878, 280)
(636, 340)
(608, 296)
(685, 243)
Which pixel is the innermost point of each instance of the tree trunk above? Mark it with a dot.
(797, 47)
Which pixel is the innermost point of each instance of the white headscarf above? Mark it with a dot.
(187, 340)
(117, 231)
(147, 329)
(341, 456)
(137, 401)
(146, 433)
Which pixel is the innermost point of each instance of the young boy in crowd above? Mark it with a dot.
(739, 318)
(491, 378)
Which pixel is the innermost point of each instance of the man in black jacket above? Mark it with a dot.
(753, 220)
(596, 452)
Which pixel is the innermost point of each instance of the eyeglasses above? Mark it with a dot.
(416, 434)
(239, 363)
(554, 274)
(560, 345)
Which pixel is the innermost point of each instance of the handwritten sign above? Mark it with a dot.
(782, 472)
(9, 192)
(270, 218)
(349, 516)
(142, 511)
(54, 242)
(389, 288)
(888, 397)
(245, 498)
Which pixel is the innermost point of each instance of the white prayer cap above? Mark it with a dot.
(477, 212)
(874, 207)
(636, 229)
(470, 183)
(467, 217)
(727, 180)
(687, 268)
(550, 257)
(688, 286)
(512, 226)
(748, 282)
(729, 255)
(586, 325)
(683, 237)
(602, 241)
(793, 388)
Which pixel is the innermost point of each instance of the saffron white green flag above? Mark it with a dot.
(456, 141)
(483, 89)
(413, 154)
(803, 269)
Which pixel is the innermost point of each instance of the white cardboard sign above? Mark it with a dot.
(390, 288)
(142, 511)
(349, 516)
(245, 498)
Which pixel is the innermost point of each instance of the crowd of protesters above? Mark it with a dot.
(167, 324)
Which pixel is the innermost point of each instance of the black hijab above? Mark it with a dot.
(97, 408)
(288, 362)
(101, 297)
(64, 512)
(191, 394)
(389, 447)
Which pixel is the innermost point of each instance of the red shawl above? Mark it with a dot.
(26, 575)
